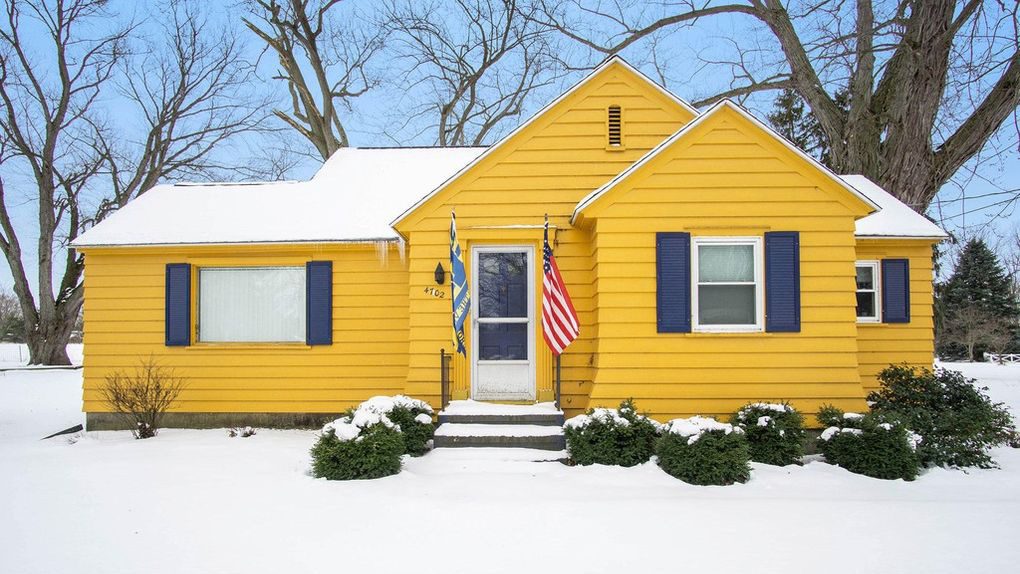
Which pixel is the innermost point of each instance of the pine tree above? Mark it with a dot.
(796, 123)
(979, 284)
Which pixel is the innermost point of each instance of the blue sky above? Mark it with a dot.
(680, 55)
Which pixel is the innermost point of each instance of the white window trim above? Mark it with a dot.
(876, 275)
(759, 282)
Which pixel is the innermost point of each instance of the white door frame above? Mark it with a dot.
(529, 250)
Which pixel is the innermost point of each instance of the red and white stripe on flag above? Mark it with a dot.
(559, 319)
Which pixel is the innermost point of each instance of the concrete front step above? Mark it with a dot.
(477, 412)
(550, 419)
(544, 437)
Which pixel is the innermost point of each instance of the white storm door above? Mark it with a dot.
(503, 333)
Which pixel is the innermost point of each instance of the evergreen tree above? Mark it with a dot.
(979, 283)
(795, 122)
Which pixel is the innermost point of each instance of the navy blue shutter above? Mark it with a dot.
(673, 282)
(319, 303)
(178, 305)
(895, 290)
(782, 282)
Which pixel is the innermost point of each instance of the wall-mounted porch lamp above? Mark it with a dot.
(440, 273)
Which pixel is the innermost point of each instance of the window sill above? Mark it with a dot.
(711, 331)
(616, 148)
(248, 346)
(870, 322)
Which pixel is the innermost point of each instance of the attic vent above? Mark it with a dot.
(615, 130)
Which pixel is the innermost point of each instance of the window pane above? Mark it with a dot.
(866, 304)
(502, 285)
(502, 341)
(725, 263)
(256, 305)
(726, 305)
(866, 277)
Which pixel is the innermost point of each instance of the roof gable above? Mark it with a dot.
(545, 116)
(727, 110)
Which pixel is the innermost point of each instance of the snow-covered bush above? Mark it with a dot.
(702, 450)
(956, 419)
(414, 417)
(368, 441)
(343, 453)
(620, 437)
(243, 432)
(872, 445)
(774, 431)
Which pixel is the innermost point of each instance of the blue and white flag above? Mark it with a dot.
(458, 284)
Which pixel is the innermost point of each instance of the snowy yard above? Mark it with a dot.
(198, 501)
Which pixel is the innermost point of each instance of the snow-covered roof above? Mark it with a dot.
(894, 218)
(352, 198)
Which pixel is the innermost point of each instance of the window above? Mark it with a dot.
(727, 294)
(251, 305)
(615, 127)
(868, 302)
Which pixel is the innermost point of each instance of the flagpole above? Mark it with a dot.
(558, 400)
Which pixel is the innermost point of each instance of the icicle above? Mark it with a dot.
(382, 252)
(402, 250)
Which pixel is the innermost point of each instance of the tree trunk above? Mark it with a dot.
(47, 344)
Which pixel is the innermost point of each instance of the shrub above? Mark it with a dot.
(830, 416)
(142, 399)
(955, 418)
(368, 441)
(774, 431)
(374, 452)
(872, 445)
(415, 420)
(701, 450)
(619, 437)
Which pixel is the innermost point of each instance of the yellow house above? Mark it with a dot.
(711, 263)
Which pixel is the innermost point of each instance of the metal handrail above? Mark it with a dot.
(444, 378)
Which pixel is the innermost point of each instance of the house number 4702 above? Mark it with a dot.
(435, 292)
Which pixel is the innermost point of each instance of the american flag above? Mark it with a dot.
(559, 320)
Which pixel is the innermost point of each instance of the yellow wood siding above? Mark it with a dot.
(124, 316)
(882, 344)
(725, 178)
(545, 168)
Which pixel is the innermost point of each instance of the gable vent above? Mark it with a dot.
(615, 130)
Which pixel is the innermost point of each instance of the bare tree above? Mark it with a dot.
(929, 83)
(11, 322)
(324, 65)
(478, 61)
(60, 151)
(974, 327)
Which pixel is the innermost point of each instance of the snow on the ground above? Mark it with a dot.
(472, 407)
(13, 355)
(198, 501)
(469, 429)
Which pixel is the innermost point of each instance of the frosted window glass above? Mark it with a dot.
(725, 263)
(252, 305)
(726, 305)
